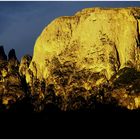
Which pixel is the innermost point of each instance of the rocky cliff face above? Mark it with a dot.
(85, 54)
(99, 40)
(24, 64)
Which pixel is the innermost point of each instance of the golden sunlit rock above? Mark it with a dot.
(81, 53)
(96, 39)
(84, 61)
(24, 64)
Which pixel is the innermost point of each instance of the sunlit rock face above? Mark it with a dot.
(100, 40)
(24, 64)
(87, 49)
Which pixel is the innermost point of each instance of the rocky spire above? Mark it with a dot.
(2, 54)
(12, 55)
(12, 60)
(24, 64)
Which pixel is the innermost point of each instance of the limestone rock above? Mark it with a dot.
(95, 39)
(81, 53)
(24, 64)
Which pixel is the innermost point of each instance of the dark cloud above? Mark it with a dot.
(21, 22)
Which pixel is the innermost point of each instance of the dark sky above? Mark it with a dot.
(22, 22)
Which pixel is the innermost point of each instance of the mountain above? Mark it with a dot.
(87, 61)
(87, 55)
(95, 39)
